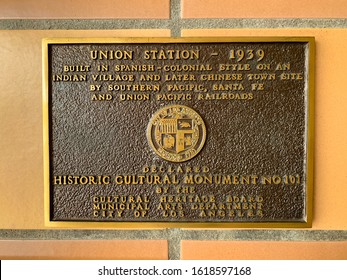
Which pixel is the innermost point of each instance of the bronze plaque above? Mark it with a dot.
(188, 132)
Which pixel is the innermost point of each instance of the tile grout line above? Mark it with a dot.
(176, 235)
(174, 241)
(83, 24)
(266, 235)
(175, 23)
(175, 18)
(256, 23)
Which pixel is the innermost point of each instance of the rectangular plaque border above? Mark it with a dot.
(161, 225)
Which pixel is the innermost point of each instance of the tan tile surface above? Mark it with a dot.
(263, 250)
(330, 187)
(264, 9)
(21, 161)
(84, 250)
(101, 9)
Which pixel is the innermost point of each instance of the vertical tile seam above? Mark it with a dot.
(175, 18)
(175, 235)
(174, 239)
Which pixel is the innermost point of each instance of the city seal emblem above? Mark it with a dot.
(176, 133)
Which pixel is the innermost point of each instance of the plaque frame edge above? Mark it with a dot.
(161, 225)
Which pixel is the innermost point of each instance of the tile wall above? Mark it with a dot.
(23, 24)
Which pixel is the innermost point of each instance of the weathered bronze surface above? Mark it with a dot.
(178, 132)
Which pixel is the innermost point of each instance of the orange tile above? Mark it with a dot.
(21, 162)
(101, 9)
(264, 9)
(330, 174)
(263, 250)
(84, 249)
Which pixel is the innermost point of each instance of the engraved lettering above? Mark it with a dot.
(171, 54)
(111, 55)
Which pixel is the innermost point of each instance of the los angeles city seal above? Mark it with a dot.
(176, 133)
